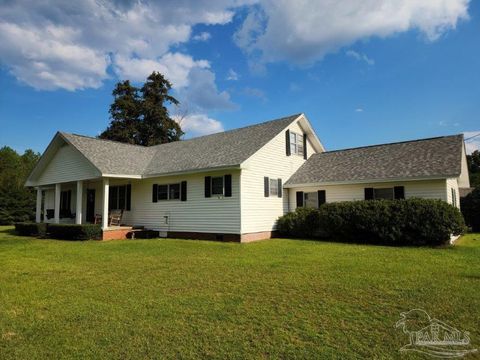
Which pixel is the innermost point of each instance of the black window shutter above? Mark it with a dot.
(183, 191)
(287, 141)
(368, 193)
(208, 186)
(69, 206)
(266, 186)
(322, 198)
(305, 146)
(228, 185)
(299, 198)
(399, 192)
(129, 197)
(154, 193)
(279, 187)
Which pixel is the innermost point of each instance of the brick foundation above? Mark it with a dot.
(263, 235)
(116, 234)
(204, 236)
(125, 233)
(244, 238)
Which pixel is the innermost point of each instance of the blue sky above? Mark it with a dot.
(363, 72)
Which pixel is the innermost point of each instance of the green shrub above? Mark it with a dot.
(30, 229)
(304, 222)
(75, 231)
(470, 206)
(387, 222)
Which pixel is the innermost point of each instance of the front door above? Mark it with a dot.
(90, 205)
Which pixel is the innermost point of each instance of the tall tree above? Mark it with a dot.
(125, 115)
(473, 161)
(140, 116)
(17, 203)
(157, 126)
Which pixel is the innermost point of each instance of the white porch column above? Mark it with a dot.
(45, 208)
(78, 208)
(106, 188)
(56, 218)
(38, 210)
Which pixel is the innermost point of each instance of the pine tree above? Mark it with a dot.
(140, 116)
(157, 126)
(125, 115)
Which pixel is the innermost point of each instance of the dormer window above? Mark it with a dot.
(296, 143)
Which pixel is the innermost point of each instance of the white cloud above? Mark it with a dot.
(199, 124)
(360, 57)
(202, 93)
(175, 66)
(359, 110)
(305, 31)
(232, 75)
(70, 44)
(474, 142)
(203, 36)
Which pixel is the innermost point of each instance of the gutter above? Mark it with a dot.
(364, 181)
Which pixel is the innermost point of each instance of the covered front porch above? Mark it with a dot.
(85, 201)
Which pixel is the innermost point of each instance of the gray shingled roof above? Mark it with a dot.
(112, 157)
(225, 149)
(435, 157)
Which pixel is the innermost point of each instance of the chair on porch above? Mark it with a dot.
(97, 219)
(115, 217)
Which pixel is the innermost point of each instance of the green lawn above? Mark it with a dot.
(198, 299)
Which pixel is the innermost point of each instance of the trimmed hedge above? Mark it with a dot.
(74, 231)
(388, 222)
(30, 229)
(470, 206)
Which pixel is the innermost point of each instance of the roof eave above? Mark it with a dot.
(317, 144)
(193, 171)
(364, 181)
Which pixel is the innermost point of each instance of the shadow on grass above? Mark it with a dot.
(361, 242)
(9, 231)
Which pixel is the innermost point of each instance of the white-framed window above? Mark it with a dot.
(273, 187)
(217, 185)
(296, 143)
(310, 199)
(383, 193)
(119, 197)
(454, 197)
(168, 192)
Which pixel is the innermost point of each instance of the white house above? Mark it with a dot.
(233, 185)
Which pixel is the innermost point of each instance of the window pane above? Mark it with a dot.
(293, 138)
(217, 185)
(162, 192)
(113, 198)
(293, 148)
(384, 193)
(273, 187)
(121, 197)
(311, 199)
(174, 191)
(300, 149)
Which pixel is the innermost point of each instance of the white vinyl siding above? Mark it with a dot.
(260, 213)
(216, 214)
(67, 165)
(427, 189)
(452, 183)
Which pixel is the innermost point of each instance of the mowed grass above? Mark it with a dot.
(286, 299)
